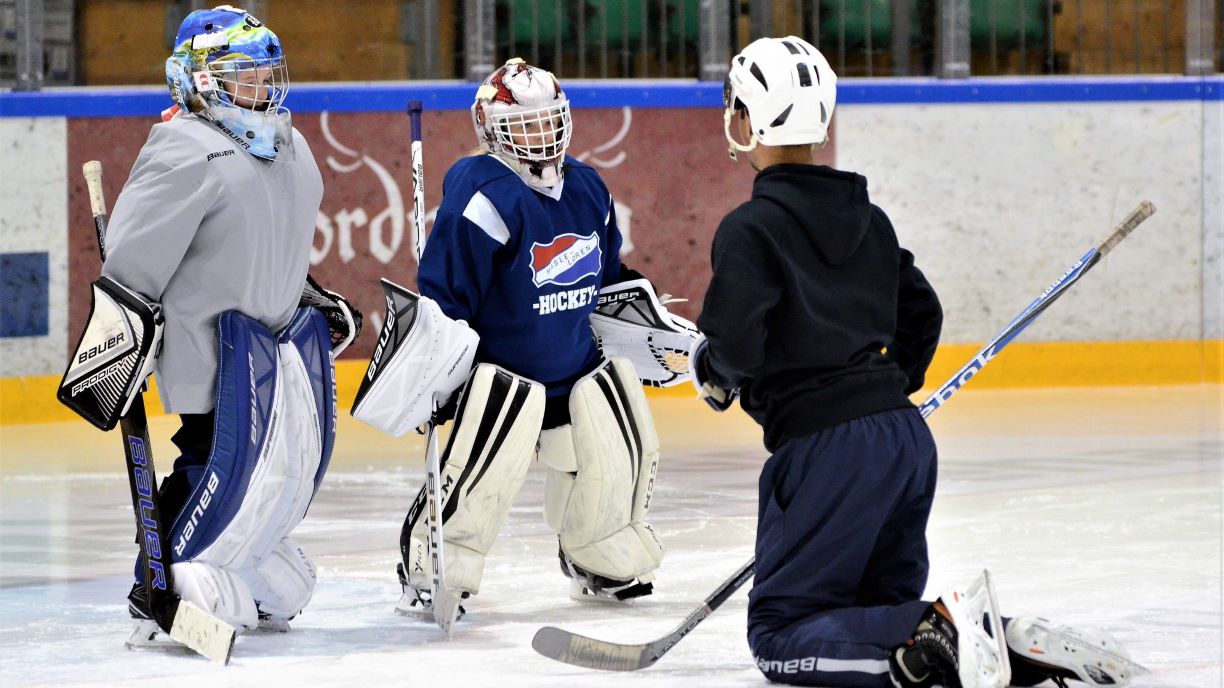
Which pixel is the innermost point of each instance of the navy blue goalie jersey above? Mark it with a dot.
(524, 267)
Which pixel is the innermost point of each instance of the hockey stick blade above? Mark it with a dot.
(446, 611)
(579, 650)
(203, 632)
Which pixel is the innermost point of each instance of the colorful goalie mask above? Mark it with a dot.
(228, 68)
(522, 116)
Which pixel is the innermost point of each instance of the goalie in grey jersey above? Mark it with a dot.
(214, 228)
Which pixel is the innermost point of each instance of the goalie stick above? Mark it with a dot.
(445, 605)
(184, 621)
(579, 650)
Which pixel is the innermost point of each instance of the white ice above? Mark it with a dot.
(1097, 507)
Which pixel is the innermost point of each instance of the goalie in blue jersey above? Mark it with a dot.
(524, 242)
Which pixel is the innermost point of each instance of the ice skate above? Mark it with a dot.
(418, 602)
(271, 623)
(590, 587)
(1041, 650)
(146, 634)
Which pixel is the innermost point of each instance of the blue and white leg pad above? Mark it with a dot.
(273, 437)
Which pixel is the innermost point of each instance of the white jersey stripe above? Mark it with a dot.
(866, 666)
(481, 212)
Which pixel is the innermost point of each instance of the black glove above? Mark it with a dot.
(718, 398)
(343, 318)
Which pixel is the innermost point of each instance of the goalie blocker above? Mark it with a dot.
(115, 355)
(421, 358)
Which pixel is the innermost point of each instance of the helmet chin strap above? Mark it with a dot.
(735, 147)
(543, 176)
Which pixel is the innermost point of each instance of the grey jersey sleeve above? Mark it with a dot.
(158, 212)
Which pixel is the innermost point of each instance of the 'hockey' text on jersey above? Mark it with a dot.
(565, 300)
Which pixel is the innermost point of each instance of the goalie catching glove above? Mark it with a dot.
(115, 356)
(343, 319)
(631, 322)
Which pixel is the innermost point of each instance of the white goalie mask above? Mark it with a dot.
(522, 116)
(788, 89)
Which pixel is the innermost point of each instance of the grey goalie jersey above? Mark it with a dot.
(203, 227)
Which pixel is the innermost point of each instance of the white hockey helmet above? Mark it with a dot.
(522, 116)
(788, 88)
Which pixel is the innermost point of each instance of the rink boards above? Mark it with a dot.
(997, 186)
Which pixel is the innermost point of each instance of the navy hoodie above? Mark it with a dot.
(814, 311)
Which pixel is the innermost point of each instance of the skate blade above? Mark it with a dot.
(415, 612)
(581, 593)
(1103, 665)
(148, 636)
(982, 648)
(272, 625)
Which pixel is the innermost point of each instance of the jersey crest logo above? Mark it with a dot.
(566, 260)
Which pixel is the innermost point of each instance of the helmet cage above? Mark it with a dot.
(537, 135)
(258, 84)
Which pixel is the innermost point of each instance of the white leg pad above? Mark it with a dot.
(601, 476)
(221, 593)
(284, 582)
(486, 459)
(282, 482)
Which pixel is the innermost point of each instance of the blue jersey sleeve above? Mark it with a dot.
(457, 266)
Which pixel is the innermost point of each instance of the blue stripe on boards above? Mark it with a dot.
(392, 96)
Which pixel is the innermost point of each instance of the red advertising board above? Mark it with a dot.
(667, 169)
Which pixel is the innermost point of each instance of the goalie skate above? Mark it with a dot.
(146, 634)
(981, 650)
(417, 603)
(589, 587)
(1053, 651)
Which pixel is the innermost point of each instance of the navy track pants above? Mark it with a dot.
(841, 550)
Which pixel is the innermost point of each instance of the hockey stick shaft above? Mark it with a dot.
(575, 649)
(146, 500)
(445, 605)
(418, 179)
(1034, 309)
(204, 634)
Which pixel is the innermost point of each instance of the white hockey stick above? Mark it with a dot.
(185, 622)
(580, 650)
(445, 605)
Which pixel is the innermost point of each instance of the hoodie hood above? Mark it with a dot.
(830, 205)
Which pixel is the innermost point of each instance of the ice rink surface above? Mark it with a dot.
(1097, 507)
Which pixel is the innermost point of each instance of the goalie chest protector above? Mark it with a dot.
(524, 268)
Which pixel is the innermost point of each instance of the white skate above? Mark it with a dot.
(1094, 657)
(981, 650)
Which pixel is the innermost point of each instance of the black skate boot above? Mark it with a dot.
(958, 643)
(418, 602)
(146, 634)
(585, 585)
(929, 657)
